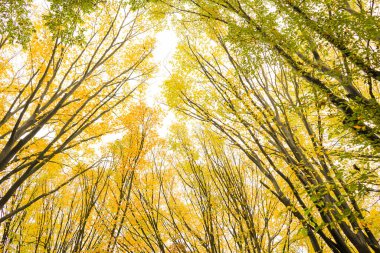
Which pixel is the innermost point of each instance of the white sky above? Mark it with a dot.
(166, 43)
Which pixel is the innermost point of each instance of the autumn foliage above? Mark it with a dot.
(274, 146)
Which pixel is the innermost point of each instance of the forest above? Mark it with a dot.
(259, 132)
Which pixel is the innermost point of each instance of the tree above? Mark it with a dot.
(224, 197)
(89, 211)
(332, 46)
(129, 159)
(63, 94)
(284, 126)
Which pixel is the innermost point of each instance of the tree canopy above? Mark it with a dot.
(274, 146)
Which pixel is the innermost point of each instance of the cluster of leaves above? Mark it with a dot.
(15, 23)
(66, 17)
(62, 18)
